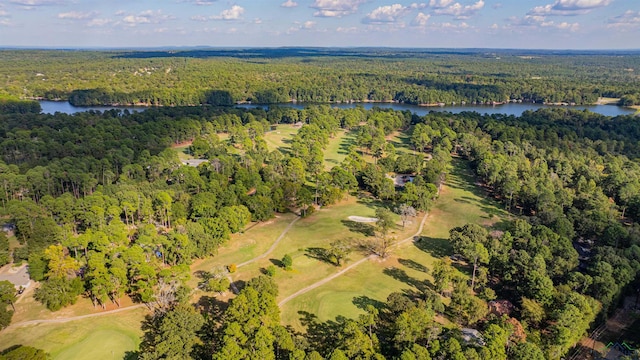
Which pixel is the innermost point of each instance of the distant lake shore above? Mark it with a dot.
(510, 108)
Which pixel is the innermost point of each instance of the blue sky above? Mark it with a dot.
(540, 24)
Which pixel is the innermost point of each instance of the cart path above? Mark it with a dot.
(273, 246)
(341, 272)
(80, 317)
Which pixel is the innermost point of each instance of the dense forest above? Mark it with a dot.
(103, 208)
(224, 77)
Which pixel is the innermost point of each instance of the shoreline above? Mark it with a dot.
(607, 102)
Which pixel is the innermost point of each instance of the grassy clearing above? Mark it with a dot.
(323, 227)
(338, 148)
(105, 337)
(281, 137)
(401, 140)
(460, 202)
(183, 151)
(317, 231)
(245, 246)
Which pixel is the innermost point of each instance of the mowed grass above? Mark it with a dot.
(338, 148)
(280, 138)
(317, 231)
(408, 269)
(253, 242)
(104, 337)
(183, 151)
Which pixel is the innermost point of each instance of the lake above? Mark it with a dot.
(51, 107)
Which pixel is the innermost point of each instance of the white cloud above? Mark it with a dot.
(421, 19)
(289, 4)
(30, 3)
(200, 18)
(234, 13)
(386, 14)
(200, 2)
(4, 13)
(336, 8)
(439, 4)
(533, 22)
(629, 19)
(257, 21)
(390, 13)
(307, 25)
(146, 17)
(460, 11)
(580, 4)
(347, 30)
(77, 15)
(568, 7)
(448, 25)
(99, 22)
(566, 26)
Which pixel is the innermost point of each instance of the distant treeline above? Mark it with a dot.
(105, 78)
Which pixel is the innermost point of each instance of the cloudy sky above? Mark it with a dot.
(546, 24)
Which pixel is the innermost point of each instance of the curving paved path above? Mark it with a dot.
(331, 277)
(273, 246)
(80, 317)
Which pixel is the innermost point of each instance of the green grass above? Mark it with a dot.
(401, 141)
(104, 337)
(281, 137)
(338, 148)
(183, 152)
(408, 268)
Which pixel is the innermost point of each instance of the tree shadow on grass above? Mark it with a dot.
(320, 254)
(277, 263)
(413, 265)
(362, 301)
(402, 276)
(437, 247)
(358, 227)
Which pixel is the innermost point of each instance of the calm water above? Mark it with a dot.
(51, 107)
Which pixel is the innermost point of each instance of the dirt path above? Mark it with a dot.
(80, 317)
(331, 277)
(273, 246)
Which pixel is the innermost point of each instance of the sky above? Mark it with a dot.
(522, 24)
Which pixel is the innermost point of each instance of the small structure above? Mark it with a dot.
(399, 180)
(472, 337)
(19, 277)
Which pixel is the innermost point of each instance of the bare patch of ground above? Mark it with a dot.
(362, 219)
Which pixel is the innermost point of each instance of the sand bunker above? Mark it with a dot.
(362, 219)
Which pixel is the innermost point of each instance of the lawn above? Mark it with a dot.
(338, 148)
(104, 337)
(280, 138)
(183, 151)
(460, 202)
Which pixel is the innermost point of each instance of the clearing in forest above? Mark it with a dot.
(460, 202)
